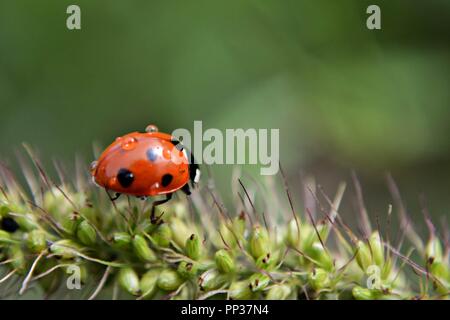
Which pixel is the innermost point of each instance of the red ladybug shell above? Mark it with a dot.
(142, 164)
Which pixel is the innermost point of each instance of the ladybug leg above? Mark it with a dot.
(153, 218)
(115, 197)
(186, 189)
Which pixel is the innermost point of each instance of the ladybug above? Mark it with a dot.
(151, 163)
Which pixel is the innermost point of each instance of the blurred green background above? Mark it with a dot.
(344, 97)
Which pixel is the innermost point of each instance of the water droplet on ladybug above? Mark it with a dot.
(129, 143)
(151, 128)
(167, 154)
(93, 166)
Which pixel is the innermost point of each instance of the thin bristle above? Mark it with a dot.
(403, 215)
(364, 216)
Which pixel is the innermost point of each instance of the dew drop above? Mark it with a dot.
(167, 154)
(151, 128)
(93, 166)
(128, 143)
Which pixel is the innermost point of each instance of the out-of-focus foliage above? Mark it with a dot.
(373, 100)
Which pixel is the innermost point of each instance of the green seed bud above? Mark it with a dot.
(86, 233)
(239, 225)
(227, 235)
(293, 236)
(83, 273)
(258, 282)
(267, 262)
(148, 283)
(363, 257)
(319, 279)
(224, 261)
(279, 292)
(259, 242)
(231, 233)
(386, 269)
(361, 293)
(129, 281)
(240, 290)
(320, 256)
(65, 249)
(4, 209)
(36, 241)
(193, 247)
(5, 237)
(180, 232)
(187, 270)
(162, 235)
(121, 240)
(169, 280)
(211, 280)
(433, 250)
(27, 222)
(440, 270)
(142, 250)
(308, 236)
(377, 248)
(71, 223)
(323, 227)
(18, 262)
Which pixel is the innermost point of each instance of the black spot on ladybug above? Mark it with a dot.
(9, 224)
(125, 177)
(152, 155)
(166, 179)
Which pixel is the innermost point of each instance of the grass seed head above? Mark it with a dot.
(224, 261)
(169, 280)
(129, 280)
(142, 249)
